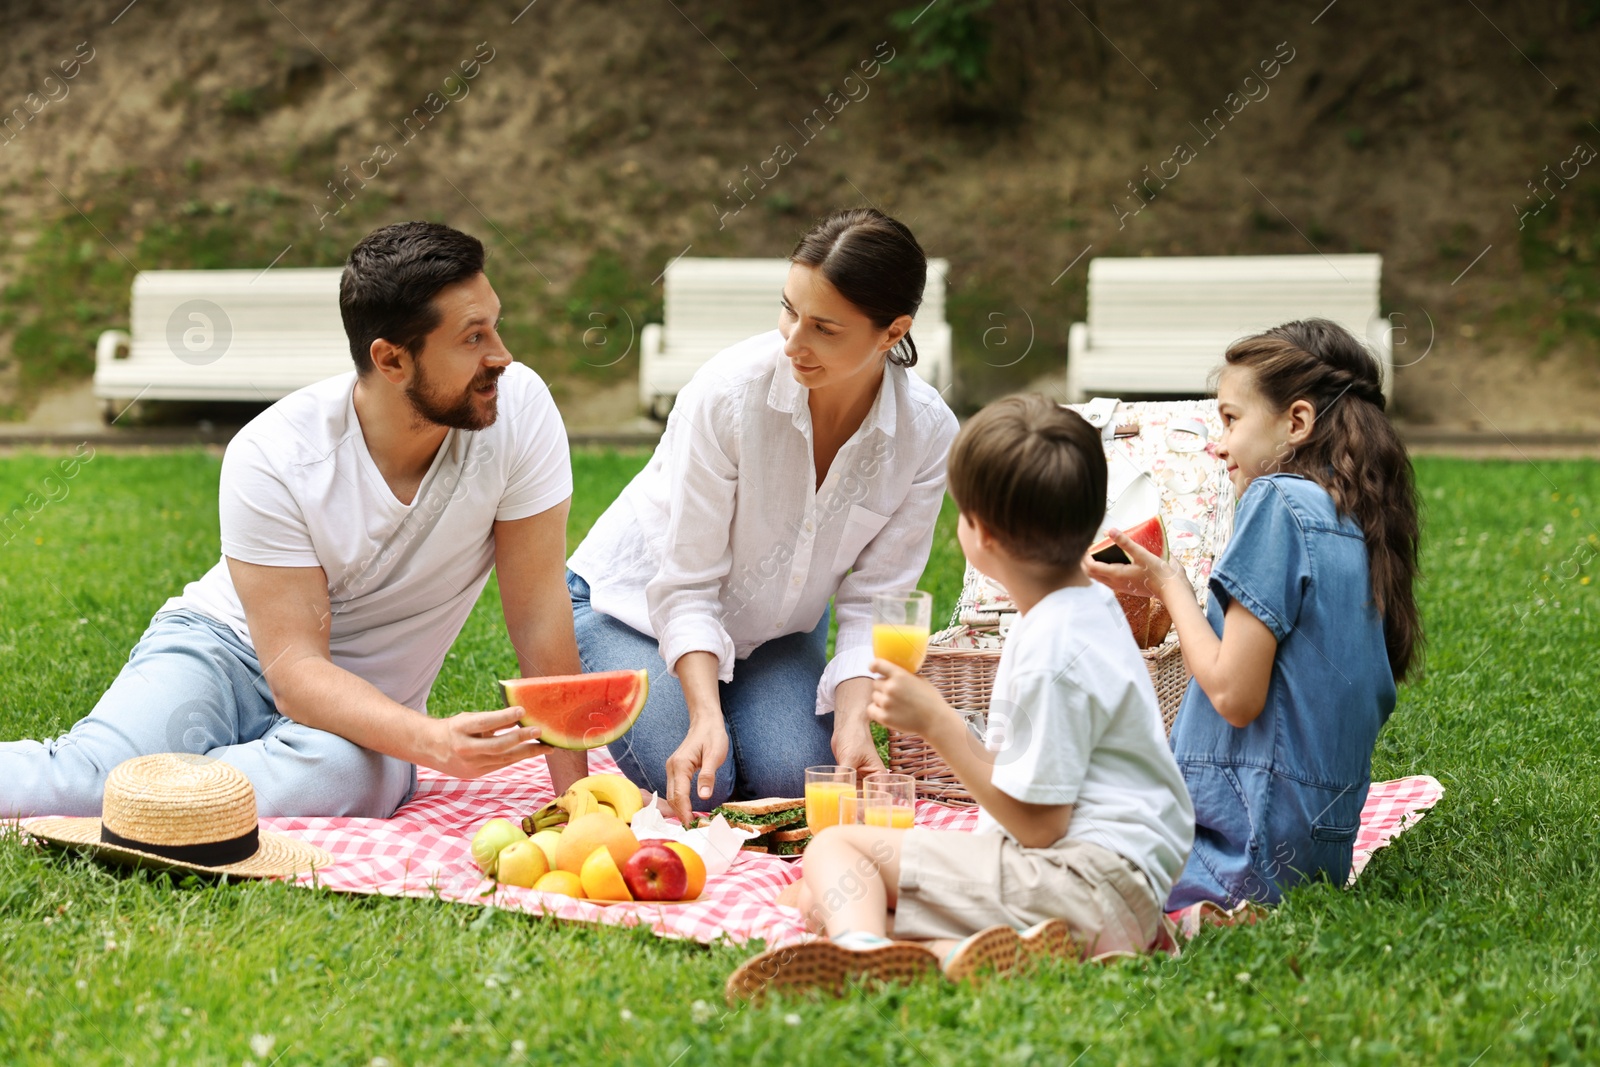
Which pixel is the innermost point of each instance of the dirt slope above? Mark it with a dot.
(589, 143)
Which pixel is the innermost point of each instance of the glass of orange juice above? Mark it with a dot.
(827, 789)
(900, 627)
(889, 800)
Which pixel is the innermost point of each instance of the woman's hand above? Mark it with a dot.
(1147, 575)
(905, 702)
(853, 747)
(852, 730)
(695, 762)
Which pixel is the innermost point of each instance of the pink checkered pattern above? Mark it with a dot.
(1392, 808)
(424, 851)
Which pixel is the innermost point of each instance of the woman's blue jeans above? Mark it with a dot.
(770, 708)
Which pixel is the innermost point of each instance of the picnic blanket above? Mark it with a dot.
(424, 851)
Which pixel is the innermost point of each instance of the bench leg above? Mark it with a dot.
(114, 409)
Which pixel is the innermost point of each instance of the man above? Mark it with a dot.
(360, 519)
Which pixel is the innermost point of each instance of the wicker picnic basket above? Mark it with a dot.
(965, 678)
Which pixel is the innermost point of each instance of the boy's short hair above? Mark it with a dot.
(1034, 474)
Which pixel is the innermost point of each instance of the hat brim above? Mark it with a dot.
(277, 857)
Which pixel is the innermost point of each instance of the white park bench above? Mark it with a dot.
(711, 304)
(224, 335)
(1161, 324)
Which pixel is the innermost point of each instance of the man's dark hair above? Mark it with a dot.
(1034, 474)
(390, 279)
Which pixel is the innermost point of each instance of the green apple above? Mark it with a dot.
(491, 837)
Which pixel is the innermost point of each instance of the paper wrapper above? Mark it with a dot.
(717, 843)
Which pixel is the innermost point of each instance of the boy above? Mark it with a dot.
(1084, 819)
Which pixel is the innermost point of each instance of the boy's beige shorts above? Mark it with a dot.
(954, 884)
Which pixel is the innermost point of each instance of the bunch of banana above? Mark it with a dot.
(549, 817)
(601, 792)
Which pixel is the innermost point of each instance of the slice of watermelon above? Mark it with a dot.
(1150, 534)
(579, 711)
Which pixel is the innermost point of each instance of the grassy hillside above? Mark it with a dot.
(589, 144)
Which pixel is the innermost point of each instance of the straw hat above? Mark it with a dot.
(186, 812)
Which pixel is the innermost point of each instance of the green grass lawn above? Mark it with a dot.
(1471, 940)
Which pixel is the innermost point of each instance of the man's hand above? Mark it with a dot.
(474, 743)
(695, 762)
(905, 702)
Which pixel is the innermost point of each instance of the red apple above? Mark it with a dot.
(655, 872)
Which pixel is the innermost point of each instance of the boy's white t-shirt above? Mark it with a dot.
(1073, 719)
(300, 489)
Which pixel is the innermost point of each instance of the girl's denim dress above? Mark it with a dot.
(1279, 802)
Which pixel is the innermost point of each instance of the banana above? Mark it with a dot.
(578, 801)
(549, 817)
(615, 790)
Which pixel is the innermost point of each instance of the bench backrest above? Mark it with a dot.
(1207, 301)
(244, 333)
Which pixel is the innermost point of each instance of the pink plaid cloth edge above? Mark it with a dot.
(423, 851)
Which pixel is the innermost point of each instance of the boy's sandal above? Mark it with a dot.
(1197, 917)
(1051, 939)
(828, 966)
(1001, 950)
(997, 950)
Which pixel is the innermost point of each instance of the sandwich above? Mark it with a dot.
(779, 822)
(789, 842)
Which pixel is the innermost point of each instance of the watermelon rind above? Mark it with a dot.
(610, 719)
(1106, 551)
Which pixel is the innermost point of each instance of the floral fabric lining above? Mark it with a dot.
(1196, 504)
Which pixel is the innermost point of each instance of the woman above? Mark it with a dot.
(797, 466)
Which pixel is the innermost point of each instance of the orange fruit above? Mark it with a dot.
(588, 832)
(602, 878)
(564, 882)
(694, 865)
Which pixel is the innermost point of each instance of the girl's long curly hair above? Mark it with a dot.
(1353, 452)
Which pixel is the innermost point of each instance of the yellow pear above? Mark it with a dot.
(522, 864)
(547, 840)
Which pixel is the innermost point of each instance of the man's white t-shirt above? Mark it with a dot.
(299, 489)
(1074, 720)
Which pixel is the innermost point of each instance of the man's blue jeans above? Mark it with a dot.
(770, 708)
(190, 685)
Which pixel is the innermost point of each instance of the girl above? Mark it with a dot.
(802, 465)
(1311, 620)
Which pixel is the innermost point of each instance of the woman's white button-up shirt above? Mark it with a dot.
(723, 541)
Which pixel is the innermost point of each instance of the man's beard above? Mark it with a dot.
(463, 413)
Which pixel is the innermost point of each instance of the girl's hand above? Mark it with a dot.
(1147, 575)
(902, 701)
